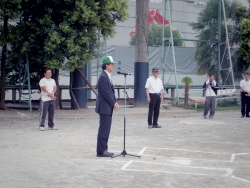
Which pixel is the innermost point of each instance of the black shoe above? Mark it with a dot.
(210, 117)
(242, 116)
(156, 126)
(104, 154)
(110, 152)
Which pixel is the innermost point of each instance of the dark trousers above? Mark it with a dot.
(47, 106)
(103, 133)
(154, 108)
(245, 104)
(210, 105)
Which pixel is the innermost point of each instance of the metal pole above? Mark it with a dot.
(98, 59)
(219, 40)
(105, 39)
(163, 43)
(228, 45)
(28, 75)
(172, 44)
(20, 72)
(125, 104)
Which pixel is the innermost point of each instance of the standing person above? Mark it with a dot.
(154, 92)
(48, 88)
(105, 104)
(245, 95)
(211, 88)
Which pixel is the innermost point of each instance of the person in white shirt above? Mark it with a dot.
(245, 95)
(154, 92)
(211, 88)
(48, 88)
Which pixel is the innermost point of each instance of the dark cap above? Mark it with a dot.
(155, 69)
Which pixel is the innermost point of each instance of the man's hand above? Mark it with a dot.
(161, 99)
(53, 97)
(148, 99)
(116, 106)
(50, 94)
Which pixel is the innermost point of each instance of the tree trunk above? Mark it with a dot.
(58, 93)
(186, 95)
(141, 39)
(3, 64)
(141, 66)
(88, 83)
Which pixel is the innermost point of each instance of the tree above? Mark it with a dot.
(187, 81)
(8, 10)
(207, 26)
(244, 36)
(141, 67)
(52, 31)
(155, 36)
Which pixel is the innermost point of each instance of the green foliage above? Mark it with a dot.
(207, 25)
(8, 10)
(155, 36)
(187, 80)
(52, 31)
(244, 35)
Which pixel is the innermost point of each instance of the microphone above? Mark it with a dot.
(118, 72)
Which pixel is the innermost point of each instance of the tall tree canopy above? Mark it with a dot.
(155, 36)
(8, 10)
(52, 30)
(244, 35)
(61, 34)
(207, 25)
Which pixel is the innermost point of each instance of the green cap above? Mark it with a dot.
(108, 59)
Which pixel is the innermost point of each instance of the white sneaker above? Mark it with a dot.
(53, 128)
(42, 129)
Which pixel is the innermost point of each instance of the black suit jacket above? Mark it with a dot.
(106, 95)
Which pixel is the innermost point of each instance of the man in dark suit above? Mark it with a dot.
(105, 104)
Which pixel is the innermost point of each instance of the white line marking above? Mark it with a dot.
(142, 151)
(184, 158)
(195, 167)
(240, 179)
(188, 150)
(159, 171)
(234, 154)
(232, 158)
(127, 164)
(20, 113)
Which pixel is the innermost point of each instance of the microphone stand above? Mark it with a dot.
(124, 152)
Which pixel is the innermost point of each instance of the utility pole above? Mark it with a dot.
(141, 66)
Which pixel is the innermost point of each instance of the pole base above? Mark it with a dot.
(123, 153)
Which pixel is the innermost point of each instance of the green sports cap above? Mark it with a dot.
(108, 59)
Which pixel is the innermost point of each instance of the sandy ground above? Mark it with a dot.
(187, 151)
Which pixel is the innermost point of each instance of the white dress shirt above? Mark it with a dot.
(109, 75)
(245, 84)
(154, 85)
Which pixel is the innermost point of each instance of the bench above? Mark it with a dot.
(221, 94)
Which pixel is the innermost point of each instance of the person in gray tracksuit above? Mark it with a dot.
(211, 88)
